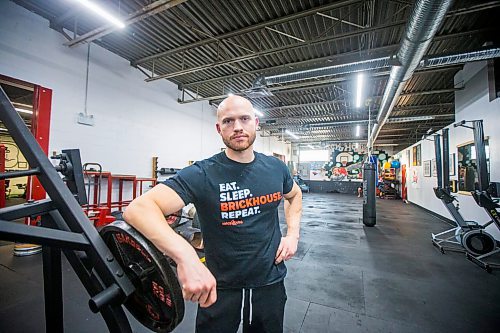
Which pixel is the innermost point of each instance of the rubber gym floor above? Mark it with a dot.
(345, 278)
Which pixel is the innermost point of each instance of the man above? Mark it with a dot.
(237, 194)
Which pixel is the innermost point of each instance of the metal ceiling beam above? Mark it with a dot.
(310, 126)
(246, 30)
(361, 54)
(295, 16)
(345, 102)
(143, 13)
(278, 49)
(277, 69)
(321, 83)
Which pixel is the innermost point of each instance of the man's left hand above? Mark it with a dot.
(287, 249)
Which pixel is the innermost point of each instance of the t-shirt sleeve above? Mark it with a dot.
(187, 183)
(287, 179)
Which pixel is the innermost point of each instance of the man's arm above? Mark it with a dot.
(293, 213)
(147, 214)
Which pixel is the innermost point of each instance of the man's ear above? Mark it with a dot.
(217, 126)
(257, 121)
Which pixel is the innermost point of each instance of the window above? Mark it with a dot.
(467, 167)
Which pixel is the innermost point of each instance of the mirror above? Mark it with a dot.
(467, 167)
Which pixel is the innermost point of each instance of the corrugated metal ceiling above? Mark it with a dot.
(212, 48)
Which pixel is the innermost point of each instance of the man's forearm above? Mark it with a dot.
(148, 219)
(293, 213)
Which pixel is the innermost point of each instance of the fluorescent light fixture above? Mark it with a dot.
(3, 129)
(387, 144)
(293, 135)
(358, 130)
(24, 111)
(258, 113)
(230, 94)
(359, 89)
(310, 146)
(101, 12)
(409, 119)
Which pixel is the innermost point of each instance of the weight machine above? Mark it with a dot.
(484, 194)
(450, 239)
(117, 267)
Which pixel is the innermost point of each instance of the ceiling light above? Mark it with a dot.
(358, 130)
(359, 89)
(408, 119)
(24, 111)
(387, 144)
(230, 94)
(258, 113)
(101, 12)
(292, 134)
(310, 146)
(3, 129)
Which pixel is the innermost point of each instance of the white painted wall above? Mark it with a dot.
(134, 120)
(470, 104)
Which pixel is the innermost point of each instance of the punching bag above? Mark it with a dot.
(369, 207)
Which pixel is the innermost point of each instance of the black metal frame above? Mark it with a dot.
(446, 240)
(64, 227)
(481, 194)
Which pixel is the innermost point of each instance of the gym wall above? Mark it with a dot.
(471, 103)
(134, 120)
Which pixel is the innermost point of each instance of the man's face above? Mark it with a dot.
(237, 123)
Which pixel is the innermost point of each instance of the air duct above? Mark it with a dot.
(424, 21)
(372, 64)
(353, 67)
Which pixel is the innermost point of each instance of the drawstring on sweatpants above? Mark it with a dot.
(250, 320)
(243, 306)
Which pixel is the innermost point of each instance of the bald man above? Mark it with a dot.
(236, 194)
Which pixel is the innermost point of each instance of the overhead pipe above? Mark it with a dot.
(374, 64)
(425, 19)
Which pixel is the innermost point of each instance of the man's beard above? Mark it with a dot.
(242, 145)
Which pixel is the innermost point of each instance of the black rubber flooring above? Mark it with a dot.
(345, 278)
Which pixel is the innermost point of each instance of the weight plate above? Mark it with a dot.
(157, 302)
(382, 156)
(478, 242)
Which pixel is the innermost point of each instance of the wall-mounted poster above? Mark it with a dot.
(434, 168)
(416, 173)
(427, 168)
(452, 164)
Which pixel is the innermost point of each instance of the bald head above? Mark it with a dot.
(234, 102)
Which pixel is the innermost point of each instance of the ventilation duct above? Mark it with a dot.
(373, 64)
(461, 58)
(353, 67)
(424, 21)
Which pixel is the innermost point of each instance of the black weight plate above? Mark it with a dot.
(157, 302)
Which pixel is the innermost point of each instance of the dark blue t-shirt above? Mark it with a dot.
(237, 204)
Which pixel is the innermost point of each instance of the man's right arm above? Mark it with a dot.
(147, 214)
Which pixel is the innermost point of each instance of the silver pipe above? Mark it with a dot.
(353, 67)
(424, 21)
